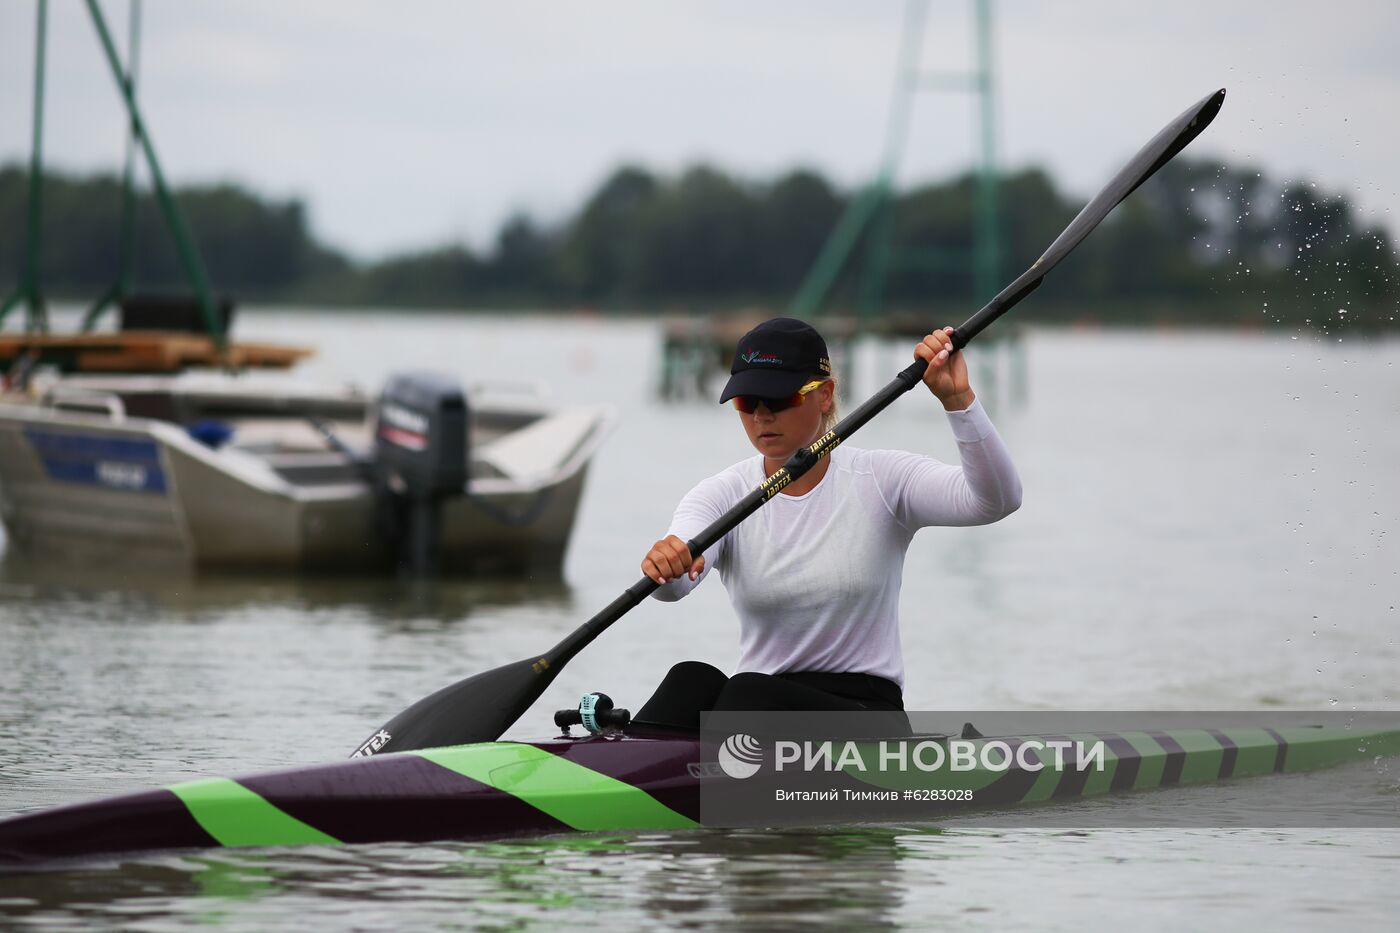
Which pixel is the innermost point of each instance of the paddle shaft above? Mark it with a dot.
(482, 707)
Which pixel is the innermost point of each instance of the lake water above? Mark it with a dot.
(1211, 521)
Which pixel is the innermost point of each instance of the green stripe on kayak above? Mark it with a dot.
(576, 796)
(1097, 781)
(1046, 780)
(1311, 748)
(1152, 761)
(235, 816)
(1257, 751)
(1204, 753)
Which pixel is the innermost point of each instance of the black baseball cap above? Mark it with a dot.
(777, 358)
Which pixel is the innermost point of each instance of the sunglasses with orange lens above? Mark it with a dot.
(748, 403)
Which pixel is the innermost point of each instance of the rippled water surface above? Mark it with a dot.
(1210, 522)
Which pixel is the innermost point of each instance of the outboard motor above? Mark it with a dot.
(420, 459)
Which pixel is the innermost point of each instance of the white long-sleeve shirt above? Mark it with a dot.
(815, 578)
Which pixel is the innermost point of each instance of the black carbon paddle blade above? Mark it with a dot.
(482, 707)
(477, 709)
(1160, 150)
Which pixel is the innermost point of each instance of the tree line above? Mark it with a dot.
(1201, 241)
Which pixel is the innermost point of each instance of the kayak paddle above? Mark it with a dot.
(481, 707)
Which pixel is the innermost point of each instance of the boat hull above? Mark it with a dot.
(596, 783)
(90, 488)
(489, 790)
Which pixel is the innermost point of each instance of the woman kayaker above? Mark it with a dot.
(814, 575)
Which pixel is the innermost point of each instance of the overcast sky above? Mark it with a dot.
(410, 124)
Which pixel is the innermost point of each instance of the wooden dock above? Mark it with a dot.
(140, 352)
(697, 351)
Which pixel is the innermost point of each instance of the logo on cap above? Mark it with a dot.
(753, 357)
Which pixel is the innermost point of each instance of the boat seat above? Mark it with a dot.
(288, 435)
(534, 454)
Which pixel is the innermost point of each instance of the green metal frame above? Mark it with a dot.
(29, 291)
(873, 208)
(987, 232)
(121, 288)
(174, 222)
(190, 261)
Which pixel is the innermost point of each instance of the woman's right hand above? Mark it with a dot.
(668, 559)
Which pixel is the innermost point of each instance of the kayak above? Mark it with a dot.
(615, 781)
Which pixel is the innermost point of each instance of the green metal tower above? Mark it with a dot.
(29, 290)
(871, 213)
(125, 260)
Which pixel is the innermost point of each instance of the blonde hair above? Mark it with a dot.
(832, 414)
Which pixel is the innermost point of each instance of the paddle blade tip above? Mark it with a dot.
(1203, 113)
(479, 708)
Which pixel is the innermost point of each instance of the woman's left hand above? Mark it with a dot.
(946, 376)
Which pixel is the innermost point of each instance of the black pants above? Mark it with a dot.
(693, 687)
